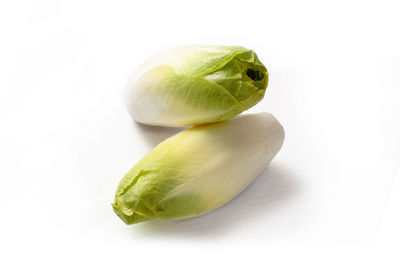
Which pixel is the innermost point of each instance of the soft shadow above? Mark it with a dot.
(273, 189)
(155, 134)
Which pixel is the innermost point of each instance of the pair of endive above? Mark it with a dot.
(204, 166)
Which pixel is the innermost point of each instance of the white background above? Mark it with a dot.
(330, 198)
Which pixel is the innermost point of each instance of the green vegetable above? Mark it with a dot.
(198, 169)
(194, 85)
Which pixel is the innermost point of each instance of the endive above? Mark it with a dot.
(198, 169)
(192, 85)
